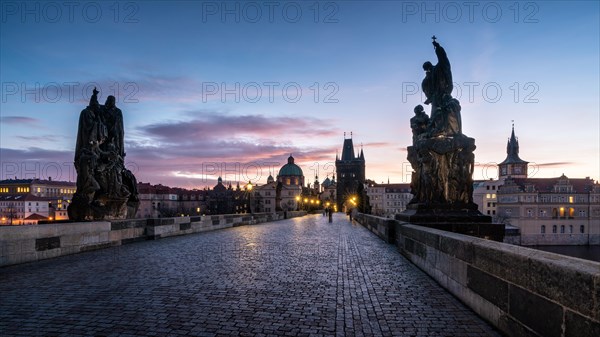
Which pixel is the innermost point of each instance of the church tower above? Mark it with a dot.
(512, 166)
(350, 171)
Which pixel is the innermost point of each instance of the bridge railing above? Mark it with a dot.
(521, 291)
(27, 243)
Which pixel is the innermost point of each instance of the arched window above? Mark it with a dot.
(570, 229)
(554, 229)
(582, 229)
(543, 229)
(554, 213)
(562, 229)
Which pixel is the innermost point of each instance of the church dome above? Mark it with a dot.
(290, 169)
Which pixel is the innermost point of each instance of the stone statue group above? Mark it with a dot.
(105, 188)
(441, 156)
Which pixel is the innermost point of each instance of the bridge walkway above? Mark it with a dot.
(296, 277)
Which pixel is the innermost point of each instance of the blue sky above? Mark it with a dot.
(357, 65)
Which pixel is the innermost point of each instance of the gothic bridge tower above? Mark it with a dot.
(350, 171)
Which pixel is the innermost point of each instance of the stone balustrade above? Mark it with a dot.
(27, 243)
(521, 291)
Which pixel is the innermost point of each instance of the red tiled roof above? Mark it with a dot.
(36, 216)
(580, 185)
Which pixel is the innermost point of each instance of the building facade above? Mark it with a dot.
(547, 211)
(28, 201)
(552, 211)
(387, 200)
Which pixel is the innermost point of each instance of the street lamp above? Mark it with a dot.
(249, 189)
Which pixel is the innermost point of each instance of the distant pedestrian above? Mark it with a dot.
(330, 215)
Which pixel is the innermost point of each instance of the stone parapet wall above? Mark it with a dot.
(27, 243)
(382, 227)
(521, 291)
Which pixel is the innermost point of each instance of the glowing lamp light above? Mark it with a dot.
(249, 186)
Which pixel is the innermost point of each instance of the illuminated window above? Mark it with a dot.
(571, 199)
(562, 211)
(571, 211)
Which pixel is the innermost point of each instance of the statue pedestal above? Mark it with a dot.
(468, 221)
(101, 209)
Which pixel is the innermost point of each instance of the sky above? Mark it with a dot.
(232, 88)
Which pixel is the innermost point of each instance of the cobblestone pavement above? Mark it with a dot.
(297, 277)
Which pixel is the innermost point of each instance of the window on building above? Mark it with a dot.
(582, 213)
(543, 229)
(571, 212)
(570, 229)
(554, 229)
(542, 213)
(562, 229)
(571, 199)
(582, 229)
(562, 211)
(529, 213)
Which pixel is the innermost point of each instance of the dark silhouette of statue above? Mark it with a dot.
(438, 79)
(442, 160)
(419, 122)
(105, 188)
(441, 155)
